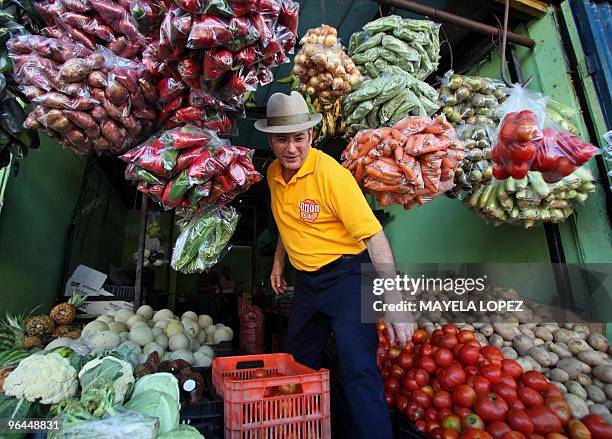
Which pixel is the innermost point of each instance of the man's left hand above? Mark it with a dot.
(401, 326)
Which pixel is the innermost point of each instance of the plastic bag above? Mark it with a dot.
(519, 134)
(244, 34)
(217, 62)
(560, 153)
(209, 32)
(204, 236)
(252, 329)
(289, 15)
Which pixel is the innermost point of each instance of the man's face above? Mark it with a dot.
(291, 149)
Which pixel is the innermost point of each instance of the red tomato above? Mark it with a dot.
(389, 398)
(500, 172)
(462, 412)
(385, 374)
(435, 385)
(523, 152)
(453, 422)
(421, 377)
(428, 390)
(449, 341)
(419, 336)
(432, 425)
(394, 352)
(468, 355)
(491, 372)
(436, 433)
(464, 395)
(480, 384)
(513, 435)
(405, 361)
(556, 436)
(431, 414)
(447, 433)
(421, 398)
(442, 399)
(517, 404)
(464, 336)
(421, 426)
(552, 391)
(491, 407)
(512, 368)
(530, 397)
(544, 420)
(415, 412)
(397, 372)
(410, 384)
(472, 433)
(508, 380)
(505, 391)
(559, 407)
(497, 429)
(517, 170)
(427, 363)
(442, 413)
(451, 376)
(472, 421)
(565, 166)
(474, 343)
(471, 370)
(535, 380)
(519, 420)
(401, 402)
(449, 329)
(426, 350)
(392, 385)
(577, 430)
(443, 357)
(492, 353)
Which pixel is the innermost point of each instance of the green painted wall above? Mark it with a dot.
(33, 224)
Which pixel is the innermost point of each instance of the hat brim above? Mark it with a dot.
(262, 125)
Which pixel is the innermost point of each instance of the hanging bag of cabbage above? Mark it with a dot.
(411, 45)
(470, 99)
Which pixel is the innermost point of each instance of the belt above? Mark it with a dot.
(336, 262)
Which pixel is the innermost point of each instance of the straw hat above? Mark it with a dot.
(287, 114)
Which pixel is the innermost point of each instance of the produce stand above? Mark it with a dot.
(128, 155)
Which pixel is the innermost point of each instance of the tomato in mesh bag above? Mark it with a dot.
(216, 63)
(289, 15)
(209, 32)
(189, 70)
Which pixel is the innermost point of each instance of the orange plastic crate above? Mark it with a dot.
(250, 414)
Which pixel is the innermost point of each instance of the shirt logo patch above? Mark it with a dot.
(309, 211)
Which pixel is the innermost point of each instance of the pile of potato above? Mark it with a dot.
(575, 359)
(323, 68)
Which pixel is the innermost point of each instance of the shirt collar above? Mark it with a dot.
(307, 167)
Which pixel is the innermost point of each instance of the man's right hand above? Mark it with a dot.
(277, 280)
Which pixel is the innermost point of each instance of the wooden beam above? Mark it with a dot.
(533, 8)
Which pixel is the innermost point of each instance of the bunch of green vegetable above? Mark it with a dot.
(203, 238)
(412, 45)
(470, 99)
(562, 115)
(476, 168)
(385, 100)
(531, 201)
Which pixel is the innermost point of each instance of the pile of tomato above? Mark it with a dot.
(451, 387)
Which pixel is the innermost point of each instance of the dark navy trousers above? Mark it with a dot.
(330, 298)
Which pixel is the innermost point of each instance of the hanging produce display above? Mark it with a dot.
(385, 100)
(189, 166)
(411, 163)
(209, 54)
(530, 201)
(89, 101)
(204, 236)
(411, 45)
(562, 115)
(95, 22)
(471, 100)
(325, 74)
(523, 144)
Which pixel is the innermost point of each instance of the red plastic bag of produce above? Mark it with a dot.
(204, 168)
(169, 89)
(175, 189)
(561, 153)
(244, 33)
(209, 32)
(252, 321)
(268, 7)
(241, 81)
(246, 56)
(187, 157)
(264, 27)
(189, 136)
(289, 15)
(243, 7)
(219, 122)
(175, 28)
(216, 63)
(519, 134)
(190, 70)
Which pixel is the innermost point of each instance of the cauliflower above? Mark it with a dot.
(59, 381)
(101, 370)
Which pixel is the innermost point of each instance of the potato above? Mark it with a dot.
(603, 372)
(496, 340)
(538, 342)
(599, 409)
(584, 379)
(75, 70)
(577, 346)
(481, 339)
(487, 330)
(595, 394)
(575, 388)
(573, 367)
(540, 355)
(593, 358)
(509, 353)
(560, 386)
(560, 375)
(608, 391)
(526, 331)
(563, 335)
(97, 79)
(116, 92)
(543, 334)
(598, 342)
(56, 120)
(559, 350)
(98, 113)
(522, 344)
(577, 406)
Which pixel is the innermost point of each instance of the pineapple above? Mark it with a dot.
(30, 341)
(74, 334)
(64, 313)
(39, 325)
(66, 331)
(13, 328)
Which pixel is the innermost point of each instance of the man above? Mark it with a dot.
(325, 227)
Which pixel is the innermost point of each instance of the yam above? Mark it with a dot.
(573, 367)
(576, 346)
(496, 340)
(593, 358)
(584, 379)
(522, 344)
(509, 353)
(541, 355)
(543, 334)
(560, 375)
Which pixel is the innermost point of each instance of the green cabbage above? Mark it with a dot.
(161, 382)
(182, 432)
(158, 404)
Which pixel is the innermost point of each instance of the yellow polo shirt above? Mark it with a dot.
(321, 213)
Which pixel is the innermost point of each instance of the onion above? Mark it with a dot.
(314, 81)
(311, 91)
(337, 84)
(330, 41)
(312, 72)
